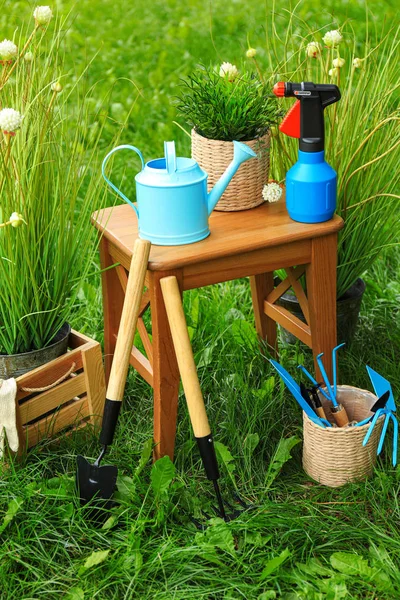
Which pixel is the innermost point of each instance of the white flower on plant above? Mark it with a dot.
(16, 219)
(10, 120)
(56, 87)
(338, 62)
(8, 50)
(229, 71)
(43, 15)
(251, 52)
(313, 50)
(272, 192)
(357, 62)
(332, 38)
(334, 72)
(28, 57)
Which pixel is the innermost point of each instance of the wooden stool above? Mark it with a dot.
(251, 243)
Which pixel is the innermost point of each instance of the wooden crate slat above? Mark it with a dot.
(49, 373)
(78, 340)
(65, 417)
(95, 382)
(46, 401)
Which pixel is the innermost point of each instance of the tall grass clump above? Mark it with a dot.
(49, 184)
(362, 129)
(227, 104)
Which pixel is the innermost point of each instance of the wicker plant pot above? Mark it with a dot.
(335, 456)
(245, 189)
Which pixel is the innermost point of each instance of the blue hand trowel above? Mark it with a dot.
(295, 390)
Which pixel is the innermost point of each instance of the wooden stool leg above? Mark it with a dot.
(321, 292)
(165, 370)
(261, 286)
(113, 300)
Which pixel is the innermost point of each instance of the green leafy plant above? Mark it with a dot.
(227, 105)
(49, 186)
(362, 131)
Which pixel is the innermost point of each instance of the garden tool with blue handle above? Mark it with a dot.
(96, 484)
(193, 393)
(338, 410)
(294, 388)
(381, 387)
(380, 403)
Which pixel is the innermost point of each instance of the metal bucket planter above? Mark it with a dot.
(14, 365)
(347, 308)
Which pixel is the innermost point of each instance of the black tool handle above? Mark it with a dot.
(110, 418)
(207, 452)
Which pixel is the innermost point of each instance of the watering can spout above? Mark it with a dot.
(241, 153)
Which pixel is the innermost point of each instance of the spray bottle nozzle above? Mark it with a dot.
(279, 89)
(305, 120)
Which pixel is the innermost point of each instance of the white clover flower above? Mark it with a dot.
(338, 62)
(10, 120)
(251, 52)
(8, 50)
(56, 87)
(229, 71)
(272, 192)
(16, 219)
(332, 38)
(42, 15)
(28, 57)
(357, 62)
(313, 50)
(334, 72)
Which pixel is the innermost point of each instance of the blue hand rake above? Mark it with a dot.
(381, 387)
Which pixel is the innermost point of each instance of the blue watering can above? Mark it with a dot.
(173, 205)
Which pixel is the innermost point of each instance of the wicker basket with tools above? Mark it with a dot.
(335, 455)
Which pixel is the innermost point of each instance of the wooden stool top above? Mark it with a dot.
(231, 233)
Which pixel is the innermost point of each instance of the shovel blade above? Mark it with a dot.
(95, 484)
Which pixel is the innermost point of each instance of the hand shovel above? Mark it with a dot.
(94, 482)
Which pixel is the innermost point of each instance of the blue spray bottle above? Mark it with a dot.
(311, 182)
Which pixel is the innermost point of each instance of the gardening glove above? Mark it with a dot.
(8, 418)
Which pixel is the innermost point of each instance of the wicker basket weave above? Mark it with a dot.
(245, 189)
(334, 456)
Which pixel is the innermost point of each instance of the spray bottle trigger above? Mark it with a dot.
(291, 123)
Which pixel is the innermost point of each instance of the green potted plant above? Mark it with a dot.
(225, 105)
(362, 145)
(48, 188)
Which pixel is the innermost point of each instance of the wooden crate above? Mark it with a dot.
(64, 394)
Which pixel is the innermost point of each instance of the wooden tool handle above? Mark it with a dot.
(320, 412)
(184, 355)
(341, 417)
(129, 317)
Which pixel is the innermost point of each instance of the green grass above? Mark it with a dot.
(154, 550)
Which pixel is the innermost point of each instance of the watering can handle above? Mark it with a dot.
(170, 157)
(114, 187)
